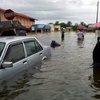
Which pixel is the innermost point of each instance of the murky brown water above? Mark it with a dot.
(68, 75)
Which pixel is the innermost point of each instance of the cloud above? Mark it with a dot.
(54, 10)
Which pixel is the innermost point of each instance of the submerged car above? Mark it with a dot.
(20, 53)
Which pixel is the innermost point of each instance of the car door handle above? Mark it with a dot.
(24, 62)
(40, 54)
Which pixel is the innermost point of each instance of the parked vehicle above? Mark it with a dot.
(20, 53)
(14, 32)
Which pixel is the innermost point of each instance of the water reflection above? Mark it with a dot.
(12, 88)
(9, 92)
(96, 79)
(80, 43)
(95, 83)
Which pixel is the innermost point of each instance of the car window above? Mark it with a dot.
(2, 45)
(15, 53)
(38, 46)
(30, 47)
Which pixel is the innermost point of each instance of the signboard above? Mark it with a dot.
(9, 14)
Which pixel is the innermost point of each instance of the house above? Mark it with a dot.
(40, 28)
(91, 28)
(57, 27)
(68, 29)
(52, 28)
(25, 20)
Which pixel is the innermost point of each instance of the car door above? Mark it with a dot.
(34, 53)
(15, 54)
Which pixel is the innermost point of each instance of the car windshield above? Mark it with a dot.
(2, 45)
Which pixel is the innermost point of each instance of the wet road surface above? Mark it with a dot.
(67, 75)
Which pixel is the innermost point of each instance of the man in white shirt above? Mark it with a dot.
(80, 35)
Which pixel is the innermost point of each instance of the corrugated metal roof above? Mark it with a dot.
(1, 26)
(46, 27)
(9, 24)
(41, 26)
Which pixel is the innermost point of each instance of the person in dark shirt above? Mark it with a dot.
(62, 34)
(96, 54)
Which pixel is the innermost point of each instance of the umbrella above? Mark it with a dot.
(81, 27)
(97, 24)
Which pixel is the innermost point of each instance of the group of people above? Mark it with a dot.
(80, 34)
(96, 50)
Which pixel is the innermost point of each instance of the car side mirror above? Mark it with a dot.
(7, 64)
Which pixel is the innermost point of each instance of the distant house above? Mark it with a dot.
(40, 28)
(57, 27)
(91, 28)
(68, 29)
(25, 20)
(52, 28)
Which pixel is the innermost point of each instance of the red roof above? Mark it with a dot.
(19, 14)
(81, 27)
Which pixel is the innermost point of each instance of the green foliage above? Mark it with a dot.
(63, 25)
(82, 23)
(69, 24)
(75, 27)
(56, 23)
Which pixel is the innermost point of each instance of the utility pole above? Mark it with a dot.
(97, 11)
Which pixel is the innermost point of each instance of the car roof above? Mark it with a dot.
(8, 39)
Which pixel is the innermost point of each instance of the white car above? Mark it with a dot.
(20, 53)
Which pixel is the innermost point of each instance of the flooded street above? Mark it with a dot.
(67, 75)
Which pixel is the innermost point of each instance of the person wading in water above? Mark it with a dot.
(62, 34)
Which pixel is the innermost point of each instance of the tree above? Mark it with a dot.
(69, 23)
(50, 23)
(63, 25)
(57, 23)
(75, 27)
(82, 23)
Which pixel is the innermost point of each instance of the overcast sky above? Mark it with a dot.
(47, 11)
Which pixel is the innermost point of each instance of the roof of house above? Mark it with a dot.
(91, 26)
(19, 14)
(46, 27)
(15, 23)
(41, 26)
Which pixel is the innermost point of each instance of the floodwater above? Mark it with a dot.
(67, 75)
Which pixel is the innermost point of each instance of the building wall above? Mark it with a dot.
(68, 29)
(23, 20)
(52, 27)
(91, 28)
(57, 27)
